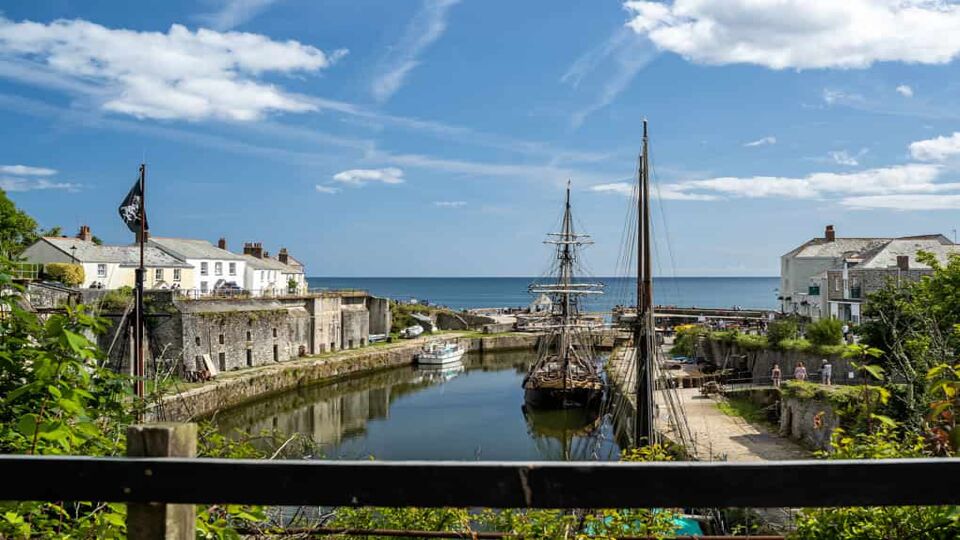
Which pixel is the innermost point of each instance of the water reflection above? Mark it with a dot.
(464, 411)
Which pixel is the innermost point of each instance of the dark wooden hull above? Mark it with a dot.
(555, 398)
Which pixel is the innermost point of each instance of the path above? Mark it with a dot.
(721, 436)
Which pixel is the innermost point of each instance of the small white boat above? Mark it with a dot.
(411, 331)
(440, 353)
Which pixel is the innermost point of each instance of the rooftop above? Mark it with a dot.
(185, 248)
(87, 252)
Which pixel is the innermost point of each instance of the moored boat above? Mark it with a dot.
(566, 373)
(440, 353)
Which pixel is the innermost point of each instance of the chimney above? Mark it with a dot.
(283, 256)
(903, 262)
(830, 234)
(222, 243)
(85, 234)
(254, 249)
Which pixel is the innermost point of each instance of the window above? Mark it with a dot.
(249, 336)
(197, 340)
(101, 270)
(222, 357)
(158, 274)
(176, 274)
(276, 353)
(221, 339)
(233, 269)
(274, 332)
(249, 358)
(203, 286)
(218, 269)
(203, 269)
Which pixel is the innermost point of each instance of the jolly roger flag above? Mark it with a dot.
(130, 209)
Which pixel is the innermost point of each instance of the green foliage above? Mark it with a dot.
(744, 408)
(780, 330)
(794, 344)
(751, 342)
(17, 229)
(685, 342)
(66, 273)
(117, 299)
(880, 523)
(825, 332)
(400, 314)
(944, 387)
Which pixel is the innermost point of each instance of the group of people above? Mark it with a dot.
(800, 373)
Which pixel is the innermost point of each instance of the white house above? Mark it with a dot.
(266, 276)
(214, 268)
(110, 266)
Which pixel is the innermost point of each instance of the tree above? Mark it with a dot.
(66, 273)
(781, 330)
(825, 332)
(17, 229)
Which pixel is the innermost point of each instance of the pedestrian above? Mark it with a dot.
(775, 375)
(826, 372)
(800, 373)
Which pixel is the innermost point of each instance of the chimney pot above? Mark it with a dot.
(283, 256)
(829, 233)
(903, 262)
(254, 249)
(222, 243)
(85, 234)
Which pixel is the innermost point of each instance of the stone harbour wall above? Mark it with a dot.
(236, 389)
(809, 421)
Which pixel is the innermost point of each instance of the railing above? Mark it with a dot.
(25, 271)
(182, 481)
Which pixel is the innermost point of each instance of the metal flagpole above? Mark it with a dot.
(139, 319)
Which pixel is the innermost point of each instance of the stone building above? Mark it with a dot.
(804, 270)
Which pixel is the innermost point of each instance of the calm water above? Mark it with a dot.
(460, 293)
(474, 412)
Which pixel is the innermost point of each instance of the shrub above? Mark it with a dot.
(800, 345)
(751, 342)
(781, 330)
(117, 299)
(66, 273)
(825, 332)
(685, 344)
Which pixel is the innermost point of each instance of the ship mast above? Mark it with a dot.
(644, 332)
(565, 279)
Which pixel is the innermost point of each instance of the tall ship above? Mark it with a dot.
(567, 371)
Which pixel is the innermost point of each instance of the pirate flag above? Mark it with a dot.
(132, 208)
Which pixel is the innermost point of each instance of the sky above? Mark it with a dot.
(436, 137)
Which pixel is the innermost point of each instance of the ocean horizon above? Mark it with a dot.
(488, 292)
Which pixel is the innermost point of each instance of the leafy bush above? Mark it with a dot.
(923, 522)
(780, 330)
(798, 344)
(66, 273)
(117, 299)
(825, 332)
(751, 342)
(685, 342)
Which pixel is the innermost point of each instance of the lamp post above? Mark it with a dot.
(73, 254)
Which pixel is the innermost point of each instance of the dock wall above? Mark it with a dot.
(238, 388)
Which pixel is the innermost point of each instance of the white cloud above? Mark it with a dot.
(180, 74)
(620, 58)
(425, 28)
(762, 141)
(904, 202)
(905, 90)
(802, 34)
(13, 183)
(233, 13)
(839, 97)
(24, 170)
(449, 204)
(842, 157)
(661, 191)
(937, 149)
(327, 189)
(359, 177)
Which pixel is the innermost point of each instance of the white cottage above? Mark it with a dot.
(215, 268)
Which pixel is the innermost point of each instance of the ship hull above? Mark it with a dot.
(555, 398)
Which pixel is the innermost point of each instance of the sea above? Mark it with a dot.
(495, 292)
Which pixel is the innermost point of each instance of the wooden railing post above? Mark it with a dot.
(155, 521)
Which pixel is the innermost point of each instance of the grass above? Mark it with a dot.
(744, 408)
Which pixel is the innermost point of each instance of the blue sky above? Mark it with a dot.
(435, 137)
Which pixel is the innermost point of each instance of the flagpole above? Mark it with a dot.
(140, 372)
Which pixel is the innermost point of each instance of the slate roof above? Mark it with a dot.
(185, 248)
(88, 252)
(886, 256)
(859, 247)
(268, 264)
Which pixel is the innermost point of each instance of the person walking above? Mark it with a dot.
(826, 372)
(775, 375)
(800, 373)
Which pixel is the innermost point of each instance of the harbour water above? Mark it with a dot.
(473, 411)
(462, 293)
